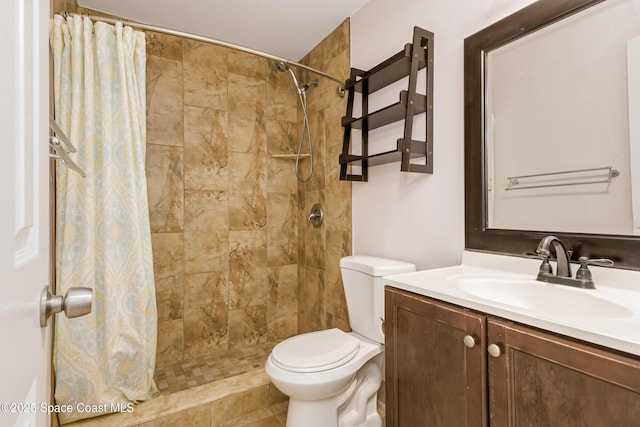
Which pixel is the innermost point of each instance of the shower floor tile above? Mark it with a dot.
(186, 374)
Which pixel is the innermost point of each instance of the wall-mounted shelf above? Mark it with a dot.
(406, 63)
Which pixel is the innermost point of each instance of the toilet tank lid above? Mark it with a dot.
(375, 266)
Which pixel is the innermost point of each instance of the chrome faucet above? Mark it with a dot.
(563, 268)
(583, 277)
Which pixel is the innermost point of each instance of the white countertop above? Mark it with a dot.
(621, 287)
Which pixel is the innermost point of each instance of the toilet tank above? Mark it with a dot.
(364, 291)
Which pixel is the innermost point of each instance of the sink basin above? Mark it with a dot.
(540, 297)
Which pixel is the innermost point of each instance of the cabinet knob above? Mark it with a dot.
(494, 350)
(469, 341)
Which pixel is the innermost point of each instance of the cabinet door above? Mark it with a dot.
(432, 378)
(542, 380)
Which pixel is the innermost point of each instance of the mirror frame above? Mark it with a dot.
(623, 250)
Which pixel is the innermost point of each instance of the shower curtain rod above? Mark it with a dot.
(139, 25)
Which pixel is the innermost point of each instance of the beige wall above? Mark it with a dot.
(321, 296)
(228, 220)
(223, 211)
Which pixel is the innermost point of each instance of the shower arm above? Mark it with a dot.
(340, 90)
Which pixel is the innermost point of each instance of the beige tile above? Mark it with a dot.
(164, 101)
(170, 341)
(281, 176)
(247, 65)
(282, 137)
(199, 416)
(247, 96)
(282, 229)
(334, 295)
(311, 301)
(164, 45)
(334, 134)
(206, 238)
(234, 408)
(247, 134)
(171, 405)
(247, 268)
(336, 322)
(206, 313)
(206, 329)
(277, 398)
(247, 173)
(282, 99)
(282, 302)
(280, 412)
(205, 155)
(206, 289)
(339, 65)
(206, 211)
(282, 248)
(247, 108)
(247, 326)
(268, 421)
(164, 168)
(205, 75)
(204, 252)
(247, 211)
(338, 203)
(168, 266)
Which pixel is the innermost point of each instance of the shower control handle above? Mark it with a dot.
(316, 216)
(76, 303)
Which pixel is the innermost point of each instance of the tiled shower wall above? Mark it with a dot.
(235, 261)
(321, 295)
(223, 211)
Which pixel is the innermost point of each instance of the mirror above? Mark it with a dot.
(548, 140)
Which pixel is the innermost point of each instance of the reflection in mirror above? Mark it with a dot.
(557, 135)
(553, 91)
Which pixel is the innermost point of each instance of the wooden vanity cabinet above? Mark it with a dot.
(541, 379)
(432, 377)
(533, 378)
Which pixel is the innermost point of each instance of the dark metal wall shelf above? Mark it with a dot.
(406, 63)
(387, 115)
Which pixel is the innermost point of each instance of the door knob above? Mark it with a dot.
(76, 303)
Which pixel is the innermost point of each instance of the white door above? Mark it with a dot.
(24, 212)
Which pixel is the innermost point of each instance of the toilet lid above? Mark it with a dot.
(315, 351)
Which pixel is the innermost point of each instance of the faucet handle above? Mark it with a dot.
(545, 267)
(584, 274)
(601, 262)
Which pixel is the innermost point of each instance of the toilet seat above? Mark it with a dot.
(315, 351)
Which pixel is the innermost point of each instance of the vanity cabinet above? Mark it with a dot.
(432, 378)
(451, 366)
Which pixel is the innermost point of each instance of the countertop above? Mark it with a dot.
(621, 287)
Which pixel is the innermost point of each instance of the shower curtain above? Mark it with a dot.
(103, 239)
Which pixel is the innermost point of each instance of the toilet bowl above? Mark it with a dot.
(332, 377)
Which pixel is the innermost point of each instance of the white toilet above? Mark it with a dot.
(332, 377)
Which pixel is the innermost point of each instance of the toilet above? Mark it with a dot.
(332, 377)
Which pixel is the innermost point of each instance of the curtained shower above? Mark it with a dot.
(103, 233)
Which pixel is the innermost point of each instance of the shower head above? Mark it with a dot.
(306, 86)
(281, 66)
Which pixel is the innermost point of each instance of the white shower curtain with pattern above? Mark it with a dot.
(103, 237)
